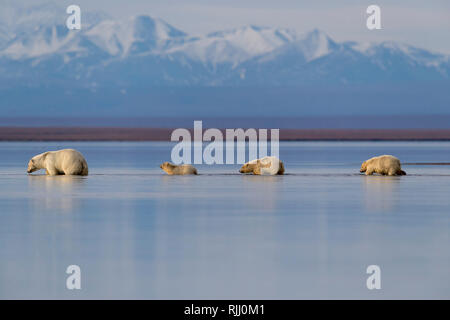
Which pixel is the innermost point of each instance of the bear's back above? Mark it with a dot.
(388, 160)
(273, 164)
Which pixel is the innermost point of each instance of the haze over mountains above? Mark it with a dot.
(143, 65)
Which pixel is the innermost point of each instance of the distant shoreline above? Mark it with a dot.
(163, 134)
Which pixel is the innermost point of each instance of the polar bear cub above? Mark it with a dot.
(172, 169)
(62, 162)
(385, 165)
(264, 166)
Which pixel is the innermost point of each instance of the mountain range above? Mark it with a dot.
(138, 54)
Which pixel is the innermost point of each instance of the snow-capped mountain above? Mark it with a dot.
(136, 35)
(308, 47)
(144, 66)
(37, 49)
(234, 46)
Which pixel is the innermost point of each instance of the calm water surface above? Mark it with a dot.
(138, 233)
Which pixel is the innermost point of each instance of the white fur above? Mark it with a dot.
(62, 162)
(385, 165)
(274, 165)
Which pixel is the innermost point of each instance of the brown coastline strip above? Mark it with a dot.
(365, 134)
(426, 164)
(163, 134)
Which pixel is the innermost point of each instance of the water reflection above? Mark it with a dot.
(262, 192)
(380, 192)
(56, 193)
(138, 233)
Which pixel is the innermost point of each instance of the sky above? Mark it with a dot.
(421, 23)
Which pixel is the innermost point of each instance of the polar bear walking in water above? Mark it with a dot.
(172, 169)
(62, 162)
(385, 165)
(264, 166)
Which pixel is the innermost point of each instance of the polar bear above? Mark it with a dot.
(385, 165)
(62, 162)
(264, 166)
(172, 169)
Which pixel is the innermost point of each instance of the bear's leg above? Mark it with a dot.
(281, 170)
(74, 170)
(392, 172)
(369, 172)
(52, 172)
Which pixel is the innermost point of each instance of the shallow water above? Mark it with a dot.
(138, 233)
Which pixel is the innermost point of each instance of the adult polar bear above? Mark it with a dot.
(264, 166)
(385, 165)
(62, 162)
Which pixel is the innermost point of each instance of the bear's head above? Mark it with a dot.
(32, 166)
(249, 167)
(167, 166)
(37, 163)
(363, 167)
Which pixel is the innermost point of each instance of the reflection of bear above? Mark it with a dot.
(385, 165)
(173, 169)
(263, 166)
(62, 162)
